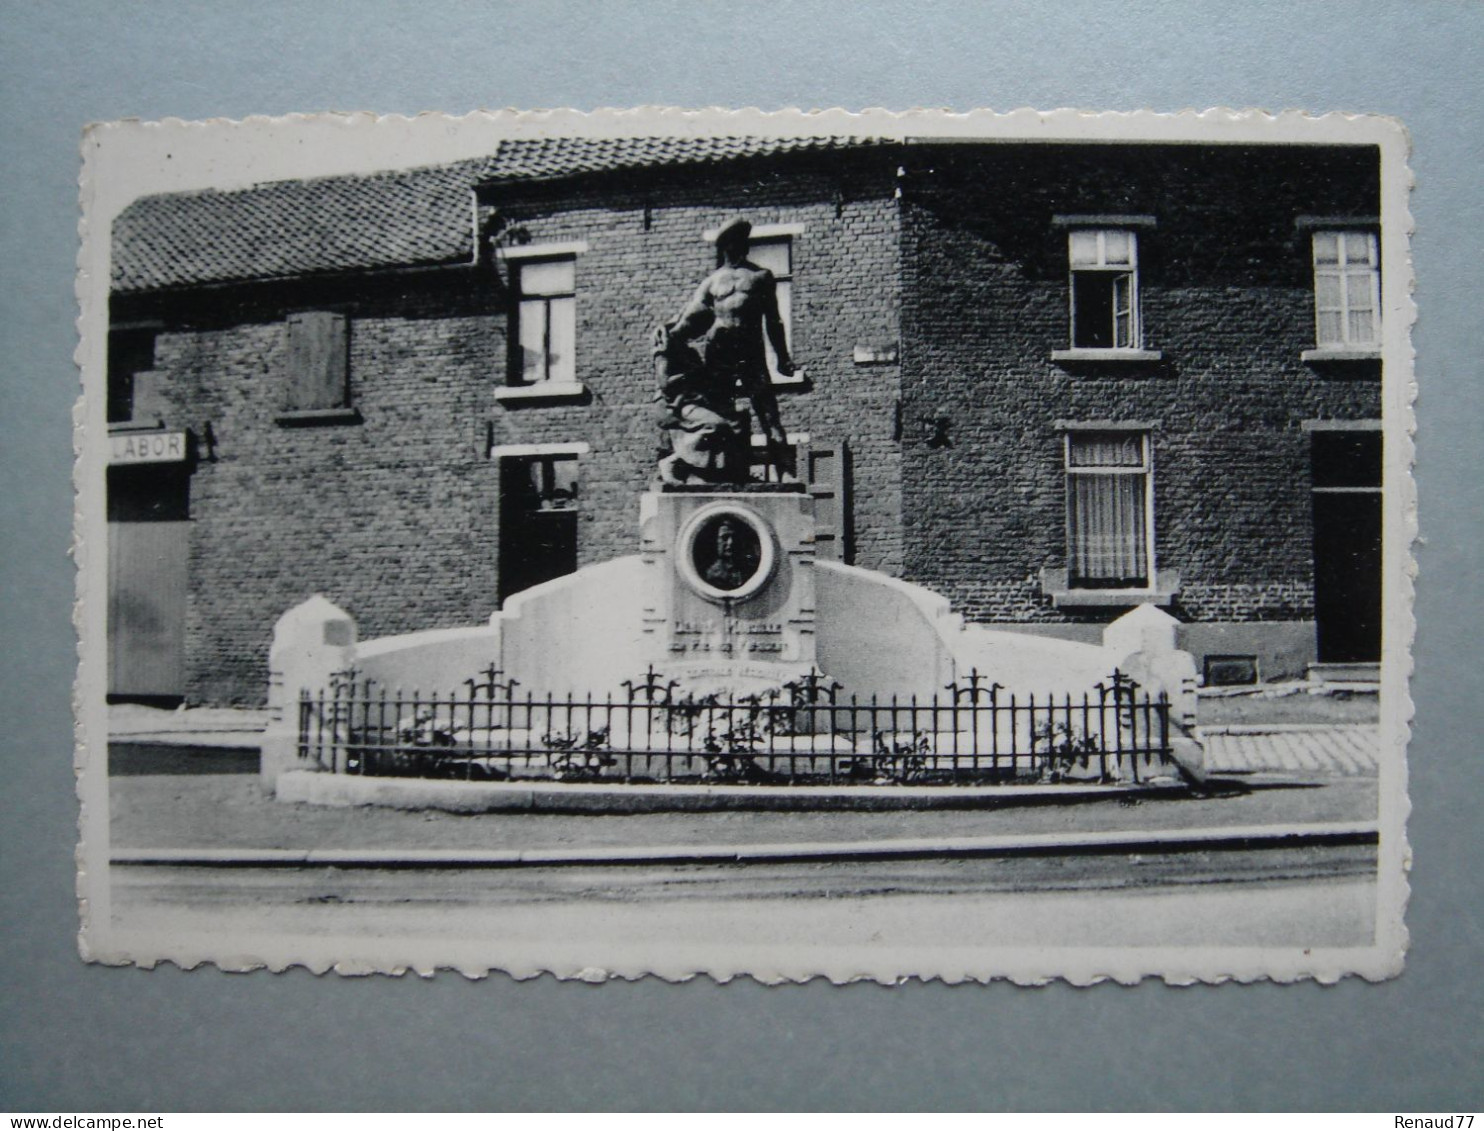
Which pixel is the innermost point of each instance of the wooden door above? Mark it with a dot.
(148, 558)
(1347, 546)
(146, 608)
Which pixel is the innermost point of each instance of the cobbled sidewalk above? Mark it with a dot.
(1299, 750)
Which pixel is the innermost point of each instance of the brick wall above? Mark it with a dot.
(1227, 297)
(958, 470)
(646, 255)
(395, 518)
(392, 518)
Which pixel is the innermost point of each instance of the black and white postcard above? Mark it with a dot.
(858, 546)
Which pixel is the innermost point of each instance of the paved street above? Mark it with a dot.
(1308, 897)
(1279, 774)
(232, 811)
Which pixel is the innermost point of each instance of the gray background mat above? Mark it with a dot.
(80, 1038)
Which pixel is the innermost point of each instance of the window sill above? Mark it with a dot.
(1055, 585)
(797, 381)
(315, 417)
(1342, 353)
(1099, 355)
(542, 391)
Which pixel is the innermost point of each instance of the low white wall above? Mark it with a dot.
(582, 633)
(883, 636)
(438, 660)
(878, 635)
(1034, 665)
(310, 642)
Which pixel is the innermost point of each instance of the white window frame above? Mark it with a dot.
(504, 456)
(1340, 271)
(1103, 267)
(512, 388)
(518, 451)
(547, 301)
(1146, 469)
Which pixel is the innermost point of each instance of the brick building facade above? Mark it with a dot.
(1047, 381)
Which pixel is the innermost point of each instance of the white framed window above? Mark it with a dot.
(1347, 290)
(545, 338)
(1110, 504)
(1104, 265)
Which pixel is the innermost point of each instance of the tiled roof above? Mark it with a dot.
(556, 157)
(420, 216)
(417, 217)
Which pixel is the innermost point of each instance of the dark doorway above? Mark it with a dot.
(148, 555)
(1347, 545)
(538, 520)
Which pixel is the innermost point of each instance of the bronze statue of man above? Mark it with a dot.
(727, 318)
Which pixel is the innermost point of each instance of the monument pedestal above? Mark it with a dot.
(728, 602)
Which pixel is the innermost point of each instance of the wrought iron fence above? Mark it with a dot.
(804, 732)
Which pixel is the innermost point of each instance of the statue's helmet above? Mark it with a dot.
(734, 231)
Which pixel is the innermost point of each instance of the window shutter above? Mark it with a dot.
(318, 360)
(828, 477)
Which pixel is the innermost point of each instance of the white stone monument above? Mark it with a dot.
(729, 586)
